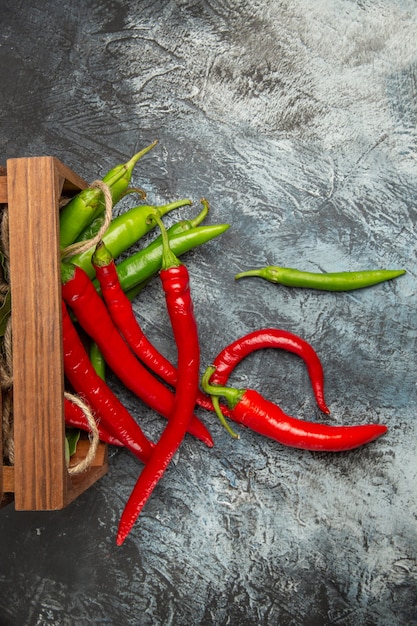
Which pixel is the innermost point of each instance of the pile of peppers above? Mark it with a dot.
(97, 294)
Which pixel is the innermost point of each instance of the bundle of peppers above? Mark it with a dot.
(97, 297)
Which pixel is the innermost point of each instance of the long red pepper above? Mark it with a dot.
(175, 281)
(251, 409)
(105, 405)
(79, 293)
(75, 418)
(226, 361)
(121, 311)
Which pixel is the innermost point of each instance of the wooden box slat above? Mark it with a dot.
(38, 381)
(39, 477)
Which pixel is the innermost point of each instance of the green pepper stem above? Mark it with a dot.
(231, 394)
(177, 204)
(168, 257)
(202, 215)
(232, 397)
(67, 271)
(141, 192)
(257, 272)
(216, 404)
(102, 255)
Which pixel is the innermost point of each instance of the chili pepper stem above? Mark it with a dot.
(102, 255)
(141, 192)
(216, 405)
(231, 394)
(202, 215)
(257, 272)
(168, 256)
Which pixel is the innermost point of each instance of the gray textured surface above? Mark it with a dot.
(297, 120)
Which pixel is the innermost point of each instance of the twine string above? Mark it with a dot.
(85, 463)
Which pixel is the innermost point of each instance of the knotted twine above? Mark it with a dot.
(6, 354)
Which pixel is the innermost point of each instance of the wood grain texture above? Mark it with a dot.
(38, 387)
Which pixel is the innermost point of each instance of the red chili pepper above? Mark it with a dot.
(251, 409)
(79, 293)
(121, 311)
(75, 418)
(226, 361)
(105, 405)
(175, 281)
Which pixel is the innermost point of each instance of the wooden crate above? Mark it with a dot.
(32, 188)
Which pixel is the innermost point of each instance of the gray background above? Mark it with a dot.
(297, 120)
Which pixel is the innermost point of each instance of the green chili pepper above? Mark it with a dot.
(332, 281)
(147, 262)
(92, 229)
(175, 229)
(89, 203)
(125, 230)
(97, 360)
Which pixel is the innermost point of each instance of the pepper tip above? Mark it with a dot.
(120, 539)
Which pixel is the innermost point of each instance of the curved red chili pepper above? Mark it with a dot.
(75, 418)
(251, 409)
(79, 293)
(175, 282)
(226, 361)
(105, 405)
